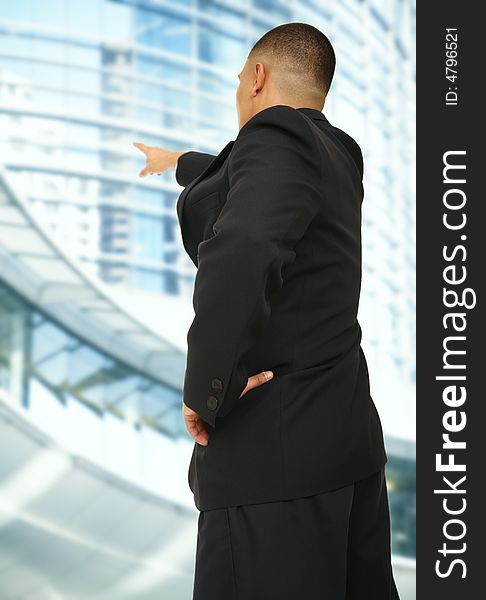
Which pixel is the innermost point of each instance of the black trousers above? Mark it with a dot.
(330, 546)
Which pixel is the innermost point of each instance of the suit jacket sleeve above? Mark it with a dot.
(274, 175)
(190, 165)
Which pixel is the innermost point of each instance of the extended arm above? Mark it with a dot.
(274, 172)
(190, 165)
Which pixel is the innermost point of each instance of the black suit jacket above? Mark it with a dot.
(273, 224)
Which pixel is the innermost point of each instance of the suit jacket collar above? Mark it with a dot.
(313, 113)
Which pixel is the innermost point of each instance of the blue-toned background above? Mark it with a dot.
(95, 286)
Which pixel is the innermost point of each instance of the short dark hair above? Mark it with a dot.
(303, 46)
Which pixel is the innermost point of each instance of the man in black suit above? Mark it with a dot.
(288, 473)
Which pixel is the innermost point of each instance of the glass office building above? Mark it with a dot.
(81, 80)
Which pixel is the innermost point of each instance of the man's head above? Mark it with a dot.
(292, 64)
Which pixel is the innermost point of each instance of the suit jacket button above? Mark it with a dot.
(212, 402)
(217, 384)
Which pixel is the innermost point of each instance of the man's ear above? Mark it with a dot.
(259, 78)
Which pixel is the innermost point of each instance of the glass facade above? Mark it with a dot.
(40, 359)
(401, 485)
(87, 78)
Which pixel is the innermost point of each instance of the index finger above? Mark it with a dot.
(141, 146)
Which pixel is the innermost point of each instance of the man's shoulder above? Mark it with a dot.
(279, 129)
(280, 118)
(278, 135)
(351, 145)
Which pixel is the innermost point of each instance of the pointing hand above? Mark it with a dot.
(158, 159)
